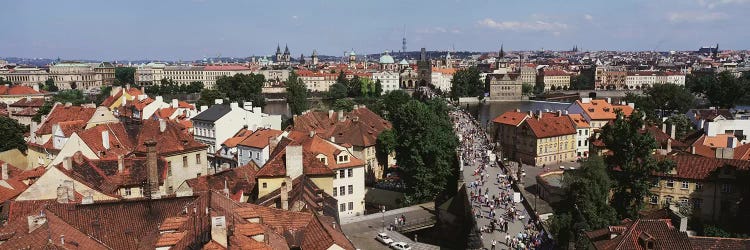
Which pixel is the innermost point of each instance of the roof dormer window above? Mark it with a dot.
(342, 158)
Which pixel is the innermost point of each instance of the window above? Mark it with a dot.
(351, 189)
(265, 185)
(334, 191)
(685, 185)
(198, 158)
(127, 191)
(726, 188)
(342, 207)
(350, 172)
(351, 205)
(184, 162)
(683, 201)
(169, 168)
(342, 190)
(698, 186)
(170, 190)
(667, 200)
(341, 173)
(654, 199)
(670, 183)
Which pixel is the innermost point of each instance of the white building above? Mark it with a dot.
(86, 76)
(442, 80)
(212, 126)
(153, 73)
(257, 147)
(719, 121)
(388, 80)
(583, 133)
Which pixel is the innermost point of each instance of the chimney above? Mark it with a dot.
(142, 97)
(673, 131)
(312, 133)
(294, 161)
(36, 221)
(664, 128)
(67, 104)
(159, 99)
(272, 142)
(123, 101)
(218, 101)
(203, 108)
(247, 105)
(35, 87)
(559, 113)
(333, 139)
(565, 112)
(609, 100)
(330, 114)
(531, 113)
(143, 89)
(120, 164)
(219, 230)
(669, 145)
(5, 171)
(257, 110)
(539, 114)
(234, 105)
(151, 165)
(692, 149)
(68, 163)
(518, 110)
(62, 239)
(162, 125)
(175, 103)
(341, 115)
(286, 186)
(105, 139)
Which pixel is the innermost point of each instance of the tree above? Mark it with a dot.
(426, 145)
(384, 146)
(343, 104)
(392, 102)
(682, 123)
(338, 91)
(467, 82)
(73, 85)
(103, 94)
(49, 86)
(378, 88)
(124, 75)
(588, 191)
(670, 97)
(584, 80)
(5, 82)
(208, 97)
(631, 163)
(241, 88)
(72, 96)
(722, 90)
(527, 88)
(12, 132)
(342, 78)
(296, 94)
(355, 87)
(195, 87)
(43, 110)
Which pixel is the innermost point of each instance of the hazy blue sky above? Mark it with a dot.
(185, 29)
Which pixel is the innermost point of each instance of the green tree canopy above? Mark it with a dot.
(378, 88)
(296, 94)
(393, 100)
(355, 87)
(72, 96)
(426, 148)
(124, 75)
(49, 85)
(208, 97)
(12, 132)
(384, 146)
(631, 163)
(722, 90)
(242, 88)
(467, 82)
(682, 123)
(338, 91)
(343, 104)
(527, 89)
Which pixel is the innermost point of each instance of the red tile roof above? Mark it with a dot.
(240, 180)
(709, 243)
(17, 90)
(173, 140)
(28, 102)
(660, 232)
(231, 142)
(598, 109)
(259, 138)
(315, 145)
(360, 128)
(579, 121)
(276, 166)
(700, 168)
(511, 118)
(550, 126)
(61, 113)
(742, 152)
(120, 142)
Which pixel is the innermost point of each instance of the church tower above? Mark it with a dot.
(352, 59)
(278, 54)
(425, 69)
(301, 59)
(314, 58)
(286, 57)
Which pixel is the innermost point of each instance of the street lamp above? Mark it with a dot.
(382, 211)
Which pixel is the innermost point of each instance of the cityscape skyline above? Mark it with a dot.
(190, 30)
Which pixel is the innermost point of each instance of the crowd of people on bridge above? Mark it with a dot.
(492, 195)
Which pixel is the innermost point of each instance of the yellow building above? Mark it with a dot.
(552, 78)
(706, 188)
(547, 138)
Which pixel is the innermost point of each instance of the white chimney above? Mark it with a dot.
(123, 101)
(175, 103)
(219, 230)
(341, 115)
(286, 186)
(120, 164)
(673, 131)
(294, 161)
(609, 100)
(203, 108)
(5, 171)
(247, 105)
(312, 133)
(162, 125)
(67, 163)
(333, 139)
(105, 139)
(218, 101)
(142, 97)
(664, 128)
(35, 87)
(234, 105)
(330, 114)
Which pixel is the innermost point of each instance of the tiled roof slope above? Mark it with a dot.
(551, 126)
(699, 168)
(360, 127)
(174, 138)
(512, 118)
(61, 113)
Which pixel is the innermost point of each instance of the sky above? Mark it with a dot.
(193, 29)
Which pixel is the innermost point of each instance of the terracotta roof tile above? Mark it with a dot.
(174, 139)
(17, 90)
(169, 239)
(551, 126)
(259, 138)
(60, 113)
(699, 167)
(360, 128)
(511, 118)
(710, 243)
(28, 102)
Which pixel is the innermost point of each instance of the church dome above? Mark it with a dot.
(403, 62)
(386, 59)
(352, 53)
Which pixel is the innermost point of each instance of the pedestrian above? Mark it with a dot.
(494, 242)
(403, 219)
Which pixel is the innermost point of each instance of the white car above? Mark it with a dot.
(400, 246)
(382, 237)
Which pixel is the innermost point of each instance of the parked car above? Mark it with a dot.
(384, 238)
(400, 246)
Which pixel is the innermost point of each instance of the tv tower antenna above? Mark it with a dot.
(403, 41)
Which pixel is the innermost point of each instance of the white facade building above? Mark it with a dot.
(388, 80)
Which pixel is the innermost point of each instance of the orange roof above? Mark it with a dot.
(170, 239)
(259, 138)
(550, 126)
(598, 109)
(579, 121)
(17, 90)
(60, 113)
(317, 145)
(238, 137)
(447, 71)
(626, 110)
(511, 118)
(718, 141)
(742, 152)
